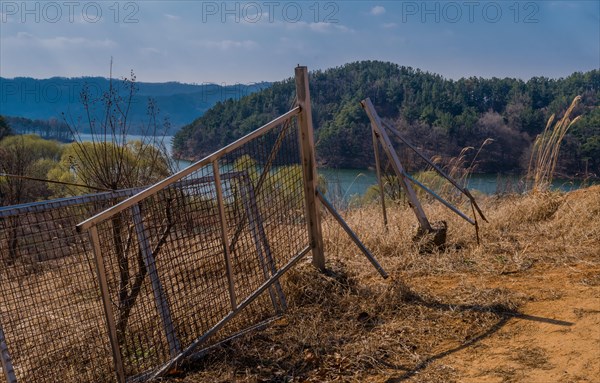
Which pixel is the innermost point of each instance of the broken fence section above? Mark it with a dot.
(196, 258)
(381, 138)
(161, 275)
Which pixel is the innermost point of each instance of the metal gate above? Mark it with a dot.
(197, 258)
(166, 272)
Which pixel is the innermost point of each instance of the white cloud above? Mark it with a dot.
(172, 17)
(255, 18)
(61, 42)
(377, 10)
(25, 35)
(225, 45)
(150, 51)
(320, 27)
(65, 42)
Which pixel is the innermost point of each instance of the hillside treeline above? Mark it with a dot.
(440, 116)
(52, 129)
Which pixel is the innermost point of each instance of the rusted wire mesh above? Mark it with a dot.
(198, 260)
(186, 266)
(50, 308)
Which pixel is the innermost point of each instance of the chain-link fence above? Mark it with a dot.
(196, 258)
(161, 274)
(51, 314)
(188, 265)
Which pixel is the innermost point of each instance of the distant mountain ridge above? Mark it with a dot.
(46, 99)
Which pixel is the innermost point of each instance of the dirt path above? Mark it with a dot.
(556, 340)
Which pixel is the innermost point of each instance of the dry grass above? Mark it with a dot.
(544, 155)
(534, 357)
(57, 327)
(349, 325)
(459, 169)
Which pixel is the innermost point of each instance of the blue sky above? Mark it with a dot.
(245, 42)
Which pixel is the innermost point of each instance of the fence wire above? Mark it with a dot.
(50, 308)
(185, 265)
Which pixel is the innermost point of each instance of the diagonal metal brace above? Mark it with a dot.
(350, 233)
(441, 172)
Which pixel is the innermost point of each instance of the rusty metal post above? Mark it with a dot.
(379, 180)
(352, 235)
(6, 361)
(309, 167)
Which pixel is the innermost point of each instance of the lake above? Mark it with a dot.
(348, 182)
(345, 183)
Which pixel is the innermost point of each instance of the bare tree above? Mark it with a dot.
(108, 160)
(21, 158)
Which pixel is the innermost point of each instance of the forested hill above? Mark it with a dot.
(439, 115)
(48, 99)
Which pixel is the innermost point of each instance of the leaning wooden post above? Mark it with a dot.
(377, 127)
(107, 304)
(309, 167)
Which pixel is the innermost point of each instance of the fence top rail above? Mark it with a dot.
(41, 206)
(36, 207)
(102, 216)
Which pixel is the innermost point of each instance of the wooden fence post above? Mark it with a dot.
(380, 133)
(224, 236)
(107, 304)
(309, 167)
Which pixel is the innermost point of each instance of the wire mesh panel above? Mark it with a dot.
(50, 307)
(196, 258)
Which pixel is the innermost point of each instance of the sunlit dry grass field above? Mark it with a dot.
(521, 306)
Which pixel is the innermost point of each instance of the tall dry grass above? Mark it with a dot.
(546, 149)
(349, 325)
(459, 167)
